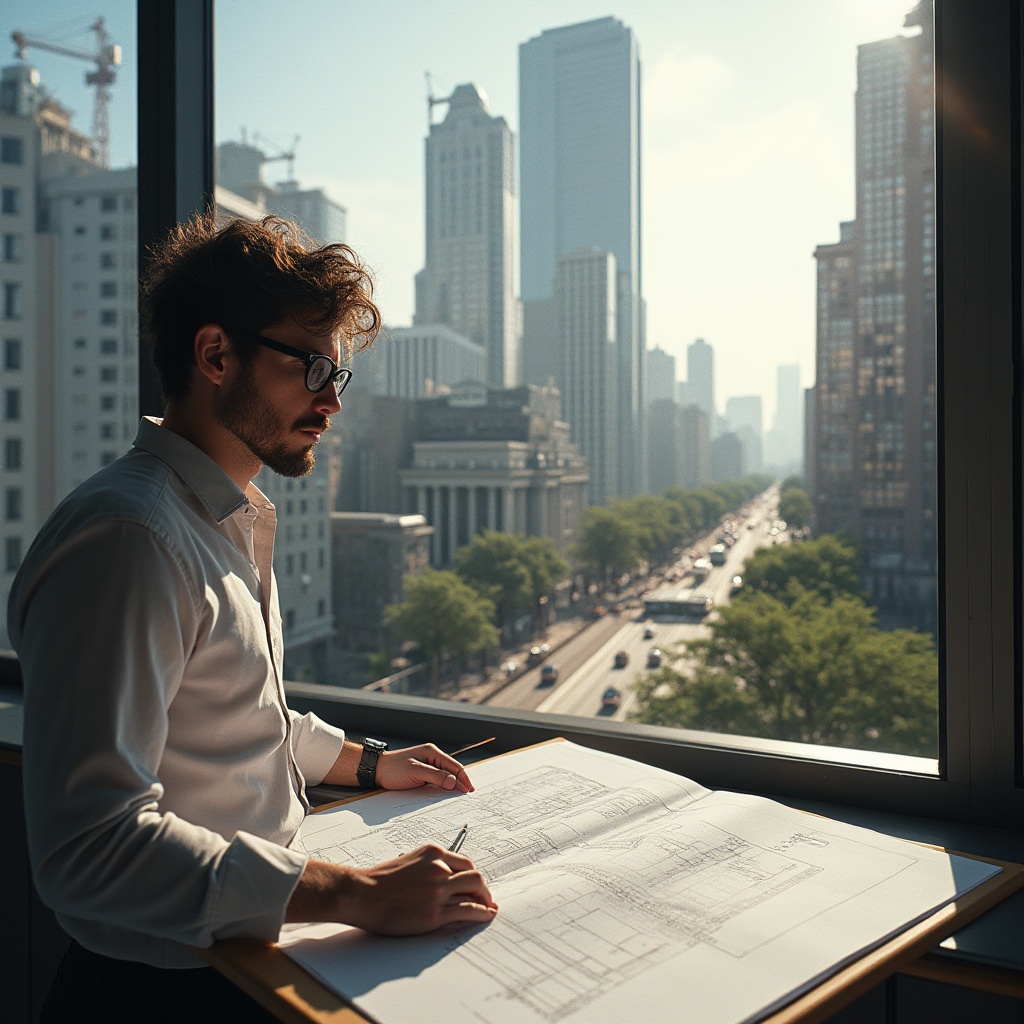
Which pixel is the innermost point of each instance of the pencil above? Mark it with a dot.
(471, 746)
(459, 839)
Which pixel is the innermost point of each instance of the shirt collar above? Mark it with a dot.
(214, 488)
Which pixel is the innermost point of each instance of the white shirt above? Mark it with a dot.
(164, 775)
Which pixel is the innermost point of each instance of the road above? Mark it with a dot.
(586, 663)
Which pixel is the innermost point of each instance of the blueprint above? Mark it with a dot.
(620, 886)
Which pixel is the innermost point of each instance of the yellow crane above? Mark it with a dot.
(106, 56)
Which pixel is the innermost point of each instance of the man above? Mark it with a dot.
(164, 774)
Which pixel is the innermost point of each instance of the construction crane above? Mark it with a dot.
(281, 154)
(107, 56)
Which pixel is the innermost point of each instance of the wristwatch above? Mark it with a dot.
(366, 773)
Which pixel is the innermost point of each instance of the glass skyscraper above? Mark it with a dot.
(579, 129)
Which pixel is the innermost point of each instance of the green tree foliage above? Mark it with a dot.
(792, 481)
(808, 670)
(512, 570)
(608, 543)
(443, 615)
(795, 507)
(827, 566)
(651, 520)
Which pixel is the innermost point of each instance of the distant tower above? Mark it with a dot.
(579, 124)
(784, 443)
(700, 379)
(661, 376)
(468, 280)
(585, 304)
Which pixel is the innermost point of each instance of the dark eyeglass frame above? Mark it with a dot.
(338, 375)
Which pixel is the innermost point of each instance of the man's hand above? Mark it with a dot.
(424, 765)
(412, 894)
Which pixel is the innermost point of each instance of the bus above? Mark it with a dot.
(678, 603)
(717, 554)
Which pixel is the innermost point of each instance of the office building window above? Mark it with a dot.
(108, 289)
(12, 453)
(108, 346)
(108, 203)
(108, 260)
(12, 504)
(10, 200)
(107, 403)
(108, 232)
(108, 317)
(12, 354)
(10, 250)
(12, 554)
(12, 150)
(108, 374)
(12, 300)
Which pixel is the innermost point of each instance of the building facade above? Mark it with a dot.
(579, 125)
(586, 313)
(889, 402)
(422, 361)
(488, 459)
(700, 380)
(661, 375)
(468, 279)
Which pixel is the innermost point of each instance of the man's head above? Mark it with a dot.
(246, 276)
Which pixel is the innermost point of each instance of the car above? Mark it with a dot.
(654, 658)
(611, 698)
(549, 674)
(736, 586)
(621, 659)
(649, 633)
(537, 654)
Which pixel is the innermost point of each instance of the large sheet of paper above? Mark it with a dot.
(625, 892)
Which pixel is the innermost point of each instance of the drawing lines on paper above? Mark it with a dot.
(650, 876)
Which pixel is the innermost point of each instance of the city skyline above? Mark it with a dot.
(723, 112)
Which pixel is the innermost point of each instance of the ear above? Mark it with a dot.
(215, 355)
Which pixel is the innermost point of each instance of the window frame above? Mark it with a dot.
(978, 276)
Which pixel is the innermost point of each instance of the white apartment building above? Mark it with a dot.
(421, 361)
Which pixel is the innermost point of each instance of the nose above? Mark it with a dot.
(328, 400)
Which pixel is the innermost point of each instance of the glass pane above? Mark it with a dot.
(659, 291)
(68, 322)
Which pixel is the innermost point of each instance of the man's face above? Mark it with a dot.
(270, 410)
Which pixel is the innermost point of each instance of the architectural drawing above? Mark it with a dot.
(611, 879)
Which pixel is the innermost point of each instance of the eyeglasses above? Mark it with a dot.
(319, 368)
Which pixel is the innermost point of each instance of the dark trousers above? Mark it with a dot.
(94, 989)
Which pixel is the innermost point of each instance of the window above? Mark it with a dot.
(108, 203)
(108, 317)
(107, 403)
(108, 260)
(12, 300)
(10, 200)
(12, 354)
(12, 504)
(12, 554)
(12, 150)
(108, 289)
(108, 232)
(12, 453)
(11, 248)
(108, 374)
(108, 346)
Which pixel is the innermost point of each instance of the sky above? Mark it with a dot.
(747, 136)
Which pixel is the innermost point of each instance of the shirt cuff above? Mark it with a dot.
(259, 877)
(316, 746)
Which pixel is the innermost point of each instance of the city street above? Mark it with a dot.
(586, 663)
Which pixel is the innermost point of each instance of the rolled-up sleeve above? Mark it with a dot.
(315, 745)
(103, 850)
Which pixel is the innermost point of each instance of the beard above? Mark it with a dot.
(248, 414)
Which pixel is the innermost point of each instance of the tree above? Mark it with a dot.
(444, 616)
(513, 570)
(795, 507)
(827, 566)
(608, 543)
(810, 671)
(652, 520)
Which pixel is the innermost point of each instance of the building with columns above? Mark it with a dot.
(490, 459)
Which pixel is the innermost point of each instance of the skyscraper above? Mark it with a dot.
(579, 123)
(889, 397)
(586, 317)
(468, 280)
(784, 442)
(661, 376)
(700, 380)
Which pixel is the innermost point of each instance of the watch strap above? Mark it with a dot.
(366, 773)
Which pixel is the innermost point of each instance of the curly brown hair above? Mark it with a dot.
(245, 276)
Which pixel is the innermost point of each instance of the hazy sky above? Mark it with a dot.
(747, 132)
